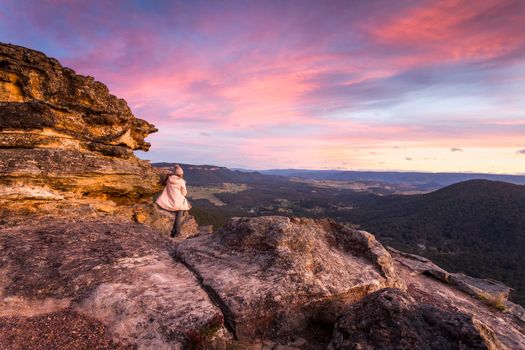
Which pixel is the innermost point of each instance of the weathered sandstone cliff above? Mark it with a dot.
(66, 146)
(64, 136)
(46, 105)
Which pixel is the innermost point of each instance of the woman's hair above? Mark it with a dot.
(164, 178)
(177, 170)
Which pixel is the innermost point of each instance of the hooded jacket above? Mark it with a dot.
(173, 196)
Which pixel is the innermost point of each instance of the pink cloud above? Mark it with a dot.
(308, 81)
(456, 30)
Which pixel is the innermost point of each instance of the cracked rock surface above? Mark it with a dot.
(118, 274)
(276, 275)
(258, 283)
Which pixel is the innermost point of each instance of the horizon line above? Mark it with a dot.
(340, 170)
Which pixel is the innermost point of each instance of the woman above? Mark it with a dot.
(173, 198)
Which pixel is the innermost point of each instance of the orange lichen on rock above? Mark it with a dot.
(10, 91)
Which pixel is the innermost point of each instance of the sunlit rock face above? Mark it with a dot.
(46, 105)
(63, 136)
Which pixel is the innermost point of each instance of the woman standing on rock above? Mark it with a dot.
(173, 198)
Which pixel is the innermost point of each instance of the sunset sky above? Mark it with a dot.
(360, 85)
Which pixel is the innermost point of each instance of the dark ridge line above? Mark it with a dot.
(227, 314)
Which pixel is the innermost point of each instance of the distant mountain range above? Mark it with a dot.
(432, 180)
(202, 175)
(206, 175)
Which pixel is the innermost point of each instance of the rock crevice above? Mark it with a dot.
(229, 321)
(275, 275)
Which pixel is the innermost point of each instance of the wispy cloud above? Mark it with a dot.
(333, 77)
(455, 149)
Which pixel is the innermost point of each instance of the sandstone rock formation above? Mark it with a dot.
(492, 292)
(66, 147)
(64, 136)
(507, 323)
(49, 106)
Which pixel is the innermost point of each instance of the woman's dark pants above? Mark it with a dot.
(177, 225)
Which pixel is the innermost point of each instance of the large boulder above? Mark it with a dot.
(276, 275)
(47, 105)
(392, 319)
(63, 136)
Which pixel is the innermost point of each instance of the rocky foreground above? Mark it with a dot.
(258, 283)
(85, 262)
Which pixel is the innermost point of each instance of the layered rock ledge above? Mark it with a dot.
(46, 105)
(63, 136)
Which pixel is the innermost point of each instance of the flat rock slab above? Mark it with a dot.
(121, 275)
(507, 328)
(273, 275)
(492, 292)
